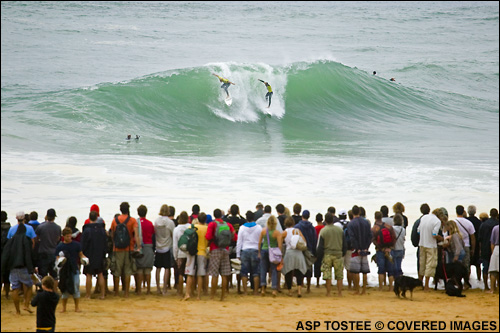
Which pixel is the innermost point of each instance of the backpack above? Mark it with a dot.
(121, 237)
(223, 235)
(384, 237)
(188, 242)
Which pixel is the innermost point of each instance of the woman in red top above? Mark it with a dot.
(146, 262)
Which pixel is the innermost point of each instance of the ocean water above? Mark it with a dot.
(77, 77)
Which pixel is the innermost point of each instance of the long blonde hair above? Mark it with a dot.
(272, 222)
(452, 228)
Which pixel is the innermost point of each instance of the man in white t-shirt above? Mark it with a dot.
(428, 230)
(467, 230)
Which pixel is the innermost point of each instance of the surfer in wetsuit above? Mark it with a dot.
(269, 92)
(225, 83)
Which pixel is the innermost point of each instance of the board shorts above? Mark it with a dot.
(163, 260)
(347, 260)
(123, 264)
(76, 282)
(201, 265)
(190, 265)
(20, 276)
(219, 263)
(337, 263)
(359, 264)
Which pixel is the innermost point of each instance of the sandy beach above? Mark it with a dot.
(283, 313)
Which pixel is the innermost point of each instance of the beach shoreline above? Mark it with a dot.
(283, 313)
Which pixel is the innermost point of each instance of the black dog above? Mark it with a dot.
(404, 283)
(455, 271)
(454, 289)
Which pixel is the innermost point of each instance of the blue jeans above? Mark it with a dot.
(264, 268)
(397, 256)
(384, 265)
(450, 257)
(250, 263)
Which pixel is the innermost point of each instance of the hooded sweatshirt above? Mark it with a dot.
(248, 237)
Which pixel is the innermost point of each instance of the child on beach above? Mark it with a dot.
(70, 274)
(46, 301)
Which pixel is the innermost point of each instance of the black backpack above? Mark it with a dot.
(121, 237)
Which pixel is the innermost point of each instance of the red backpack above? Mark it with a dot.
(384, 237)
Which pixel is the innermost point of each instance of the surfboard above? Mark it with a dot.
(229, 100)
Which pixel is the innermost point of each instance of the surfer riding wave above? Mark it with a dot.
(225, 83)
(269, 91)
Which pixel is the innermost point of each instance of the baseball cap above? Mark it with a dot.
(20, 215)
(51, 213)
(343, 212)
(306, 214)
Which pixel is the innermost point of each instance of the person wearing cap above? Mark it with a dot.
(30, 232)
(48, 235)
(16, 258)
(309, 233)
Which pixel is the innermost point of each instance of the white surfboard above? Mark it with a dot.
(229, 100)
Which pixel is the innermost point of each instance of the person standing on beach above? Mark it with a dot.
(332, 245)
(269, 237)
(146, 262)
(247, 250)
(360, 235)
(201, 256)
(49, 235)
(219, 234)
(5, 273)
(471, 216)
(384, 241)
(297, 208)
(398, 252)
(467, 230)
(17, 258)
(259, 211)
(485, 243)
(180, 257)
(307, 229)
(94, 247)
(415, 236)
(428, 230)
(46, 300)
(121, 254)
(294, 263)
(70, 273)
(494, 267)
(164, 230)
(319, 226)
